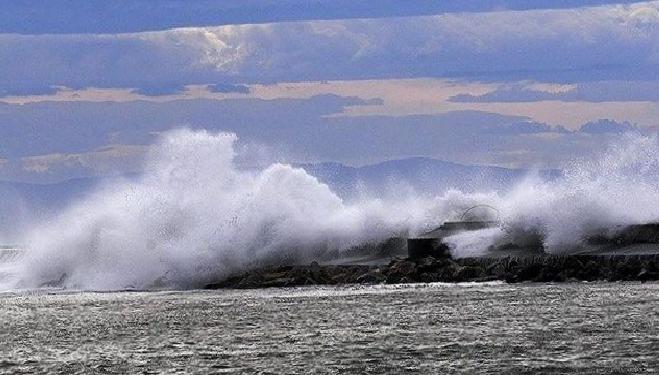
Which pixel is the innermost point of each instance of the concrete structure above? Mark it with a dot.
(430, 243)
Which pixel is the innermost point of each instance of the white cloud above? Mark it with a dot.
(102, 161)
(609, 42)
(51, 168)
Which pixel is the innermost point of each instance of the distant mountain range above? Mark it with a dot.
(422, 175)
(21, 203)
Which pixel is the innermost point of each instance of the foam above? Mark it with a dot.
(194, 217)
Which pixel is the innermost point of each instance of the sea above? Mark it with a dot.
(473, 328)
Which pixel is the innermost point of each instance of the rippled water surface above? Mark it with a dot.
(606, 328)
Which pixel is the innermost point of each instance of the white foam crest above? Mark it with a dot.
(193, 217)
(614, 189)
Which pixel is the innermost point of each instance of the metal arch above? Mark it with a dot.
(482, 205)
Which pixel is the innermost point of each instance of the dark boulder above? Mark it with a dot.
(625, 271)
(427, 264)
(374, 276)
(428, 277)
(402, 268)
(529, 272)
(497, 269)
(468, 273)
(591, 271)
(449, 271)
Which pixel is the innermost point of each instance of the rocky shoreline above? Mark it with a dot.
(429, 269)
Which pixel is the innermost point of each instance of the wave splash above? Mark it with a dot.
(597, 196)
(194, 216)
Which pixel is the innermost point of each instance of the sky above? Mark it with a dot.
(85, 86)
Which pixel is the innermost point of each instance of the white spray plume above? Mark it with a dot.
(603, 193)
(194, 217)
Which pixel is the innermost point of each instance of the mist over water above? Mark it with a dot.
(194, 217)
(597, 195)
(619, 187)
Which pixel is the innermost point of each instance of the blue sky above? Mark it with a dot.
(86, 85)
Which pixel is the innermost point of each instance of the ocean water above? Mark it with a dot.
(586, 328)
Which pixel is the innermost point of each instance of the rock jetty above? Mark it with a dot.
(545, 268)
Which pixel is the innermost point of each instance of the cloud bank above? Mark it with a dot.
(618, 42)
(597, 92)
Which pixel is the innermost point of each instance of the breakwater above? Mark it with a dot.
(546, 268)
